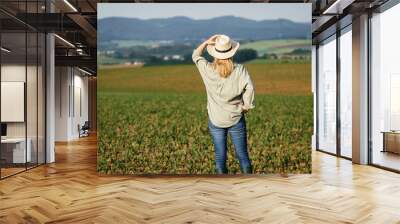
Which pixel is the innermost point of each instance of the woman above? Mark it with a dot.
(230, 94)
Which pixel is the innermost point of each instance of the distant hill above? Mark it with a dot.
(187, 29)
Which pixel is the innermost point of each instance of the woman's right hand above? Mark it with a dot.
(211, 40)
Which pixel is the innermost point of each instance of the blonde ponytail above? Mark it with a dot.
(224, 67)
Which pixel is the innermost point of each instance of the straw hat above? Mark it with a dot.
(223, 48)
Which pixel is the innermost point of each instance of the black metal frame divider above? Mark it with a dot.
(37, 90)
(338, 76)
(26, 88)
(44, 80)
(338, 33)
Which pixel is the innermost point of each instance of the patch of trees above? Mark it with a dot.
(244, 55)
(300, 51)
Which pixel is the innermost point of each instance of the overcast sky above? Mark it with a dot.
(297, 12)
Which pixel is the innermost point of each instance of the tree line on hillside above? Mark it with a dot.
(182, 54)
(173, 57)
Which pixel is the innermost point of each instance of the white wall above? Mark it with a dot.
(16, 73)
(11, 73)
(80, 93)
(13, 101)
(33, 126)
(50, 92)
(62, 82)
(359, 89)
(70, 83)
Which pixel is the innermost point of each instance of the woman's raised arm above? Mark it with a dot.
(199, 50)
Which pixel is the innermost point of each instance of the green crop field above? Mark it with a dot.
(277, 46)
(153, 120)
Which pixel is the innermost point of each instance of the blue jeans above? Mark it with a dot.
(238, 135)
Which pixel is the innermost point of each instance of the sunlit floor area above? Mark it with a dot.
(8, 171)
(387, 159)
(70, 191)
(13, 169)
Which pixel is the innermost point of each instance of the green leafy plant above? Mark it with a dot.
(149, 130)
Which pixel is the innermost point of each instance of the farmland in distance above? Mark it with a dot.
(153, 120)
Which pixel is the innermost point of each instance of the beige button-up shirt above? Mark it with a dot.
(226, 97)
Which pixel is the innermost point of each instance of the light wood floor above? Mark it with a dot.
(70, 191)
(10, 171)
(387, 159)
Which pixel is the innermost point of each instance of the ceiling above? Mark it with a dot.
(75, 21)
(328, 15)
